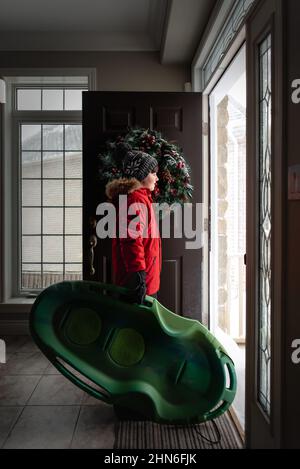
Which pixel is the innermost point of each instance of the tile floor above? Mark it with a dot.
(40, 408)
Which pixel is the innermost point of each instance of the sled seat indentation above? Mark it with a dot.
(83, 326)
(127, 348)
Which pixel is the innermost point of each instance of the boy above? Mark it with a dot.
(136, 258)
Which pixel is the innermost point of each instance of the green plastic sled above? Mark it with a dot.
(143, 358)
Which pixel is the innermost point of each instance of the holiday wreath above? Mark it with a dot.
(174, 184)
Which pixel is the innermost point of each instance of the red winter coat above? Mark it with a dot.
(138, 250)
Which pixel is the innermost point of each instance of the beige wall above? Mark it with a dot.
(116, 71)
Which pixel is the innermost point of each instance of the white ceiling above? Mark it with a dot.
(172, 27)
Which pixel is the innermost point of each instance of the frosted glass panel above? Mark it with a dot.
(31, 137)
(73, 268)
(28, 100)
(53, 137)
(73, 165)
(31, 249)
(32, 268)
(73, 248)
(53, 221)
(73, 221)
(53, 100)
(31, 192)
(31, 164)
(52, 192)
(53, 164)
(73, 100)
(31, 221)
(73, 136)
(52, 249)
(73, 192)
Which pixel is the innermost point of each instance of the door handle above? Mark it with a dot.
(92, 244)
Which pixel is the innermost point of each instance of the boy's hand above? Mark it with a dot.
(137, 283)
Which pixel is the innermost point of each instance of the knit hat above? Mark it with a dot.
(138, 164)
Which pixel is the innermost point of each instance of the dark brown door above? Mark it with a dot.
(178, 116)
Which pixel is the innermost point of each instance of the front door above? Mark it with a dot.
(177, 116)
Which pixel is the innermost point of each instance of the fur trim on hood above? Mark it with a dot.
(121, 186)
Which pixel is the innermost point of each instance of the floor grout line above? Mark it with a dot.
(34, 388)
(13, 425)
(75, 426)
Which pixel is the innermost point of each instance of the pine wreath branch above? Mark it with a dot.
(174, 173)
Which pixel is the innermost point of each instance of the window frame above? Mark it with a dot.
(17, 235)
(11, 119)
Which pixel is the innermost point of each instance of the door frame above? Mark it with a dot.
(234, 49)
(237, 44)
(263, 432)
(211, 226)
(259, 433)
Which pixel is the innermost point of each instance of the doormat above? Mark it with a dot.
(220, 434)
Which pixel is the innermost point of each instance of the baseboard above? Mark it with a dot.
(14, 327)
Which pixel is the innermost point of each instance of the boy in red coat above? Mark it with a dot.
(136, 257)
